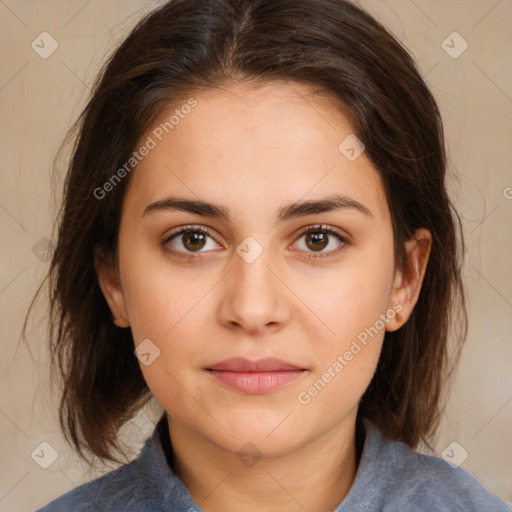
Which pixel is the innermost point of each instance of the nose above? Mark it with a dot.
(254, 296)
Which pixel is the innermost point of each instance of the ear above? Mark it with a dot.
(110, 284)
(408, 281)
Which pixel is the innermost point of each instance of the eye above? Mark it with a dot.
(189, 240)
(319, 237)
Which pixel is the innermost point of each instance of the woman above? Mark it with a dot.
(256, 232)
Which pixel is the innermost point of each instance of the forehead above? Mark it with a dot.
(254, 147)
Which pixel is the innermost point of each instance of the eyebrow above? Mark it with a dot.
(297, 209)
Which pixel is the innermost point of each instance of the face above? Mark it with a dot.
(256, 276)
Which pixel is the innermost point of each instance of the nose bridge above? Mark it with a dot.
(253, 297)
(251, 276)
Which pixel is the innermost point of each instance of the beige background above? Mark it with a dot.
(39, 98)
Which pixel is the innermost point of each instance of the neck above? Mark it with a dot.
(315, 476)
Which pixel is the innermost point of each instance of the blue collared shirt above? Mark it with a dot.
(390, 478)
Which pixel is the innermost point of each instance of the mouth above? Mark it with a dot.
(255, 377)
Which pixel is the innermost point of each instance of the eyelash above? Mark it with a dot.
(318, 228)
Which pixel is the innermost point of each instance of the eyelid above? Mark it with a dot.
(189, 227)
(325, 228)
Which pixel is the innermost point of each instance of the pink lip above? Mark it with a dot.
(255, 377)
(268, 364)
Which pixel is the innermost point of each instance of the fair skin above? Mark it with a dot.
(253, 151)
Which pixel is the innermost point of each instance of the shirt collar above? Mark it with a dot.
(167, 490)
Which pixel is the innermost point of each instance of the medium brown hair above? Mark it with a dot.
(189, 45)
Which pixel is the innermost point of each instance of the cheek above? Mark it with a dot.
(350, 301)
(171, 316)
(338, 388)
(159, 296)
(174, 324)
(355, 310)
(347, 357)
(170, 309)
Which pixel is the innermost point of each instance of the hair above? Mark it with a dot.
(187, 46)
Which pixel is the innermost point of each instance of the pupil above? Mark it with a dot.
(197, 241)
(317, 238)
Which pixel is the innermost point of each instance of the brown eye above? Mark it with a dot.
(193, 241)
(317, 241)
(318, 238)
(189, 240)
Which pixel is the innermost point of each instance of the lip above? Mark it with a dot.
(268, 364)
(255, 377)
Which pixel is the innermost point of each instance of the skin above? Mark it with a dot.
(254, 150)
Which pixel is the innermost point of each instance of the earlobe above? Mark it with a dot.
(408, 281)
(110, 285)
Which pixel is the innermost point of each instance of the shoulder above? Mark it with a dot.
(427, 482)
(393, 477)
(98, 494)
(148, 483)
